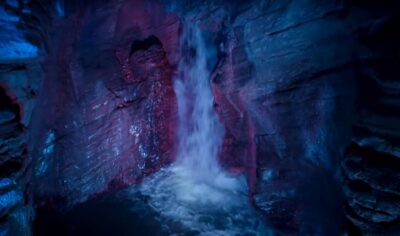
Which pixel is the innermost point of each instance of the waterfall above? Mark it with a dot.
(195, 191)
(200, 132)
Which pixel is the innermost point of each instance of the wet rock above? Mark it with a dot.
(9, 200)
(287, 76)
(371, 164)
(6, 116)
(21, 47)
(21, 220)
(284, 81)
(107, 117)
(13, 160)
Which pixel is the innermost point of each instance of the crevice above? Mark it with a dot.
(145, 44)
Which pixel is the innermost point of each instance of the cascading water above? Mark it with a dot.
(195, 191)
(200, 132)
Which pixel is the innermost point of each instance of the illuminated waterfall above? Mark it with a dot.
(195, 191)
(200, 133)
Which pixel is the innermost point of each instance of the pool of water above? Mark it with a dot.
(112, 214)
(164, 204)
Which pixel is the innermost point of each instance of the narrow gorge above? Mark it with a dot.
(167, 117)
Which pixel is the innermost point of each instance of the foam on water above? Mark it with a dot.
(208, 209)
(195, 191)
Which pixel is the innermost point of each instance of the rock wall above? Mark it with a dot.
(107, 117)
(371, 164)
(22, 48)
(284, 87)
(306, 91)
(293, 76)
(290, 79)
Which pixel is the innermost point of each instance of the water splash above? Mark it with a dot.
(196, 191)
(200, 132)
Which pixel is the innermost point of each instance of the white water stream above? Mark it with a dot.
(195, 191)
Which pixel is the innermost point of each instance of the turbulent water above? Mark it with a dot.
(195, 191)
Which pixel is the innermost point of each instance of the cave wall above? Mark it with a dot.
(108, 115)
(285, 89)
(371, 164)
(22, 49)
(292, 70)
(306, 91)
(283, 83)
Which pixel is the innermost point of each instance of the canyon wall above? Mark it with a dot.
(306, 91)
(371, 164)
(107, 117)
(285, 86)
(23, 36)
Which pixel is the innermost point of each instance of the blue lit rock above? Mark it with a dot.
(5, 229)
(21, 219)
(13, 45)
(284, 83)
(9, 200)
(21, 47)
(5, 183)
(6, 116)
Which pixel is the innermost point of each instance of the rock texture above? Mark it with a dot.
(299, 89)
(284, 89)
(371, 165)
(307, 92)
(107, 117)
(21, 47)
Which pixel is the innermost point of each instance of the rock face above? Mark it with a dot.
(21, 48)
(371, 165)
(284, 87)
(306, 91)
(287, 80)
(15, 211)
(107, 116)
(297, 96)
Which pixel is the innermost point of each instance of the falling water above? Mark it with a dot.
(195, 191)
(200, 133)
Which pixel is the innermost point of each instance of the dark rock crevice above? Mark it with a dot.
(370, 165)
(144, 44)
(13, 166)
